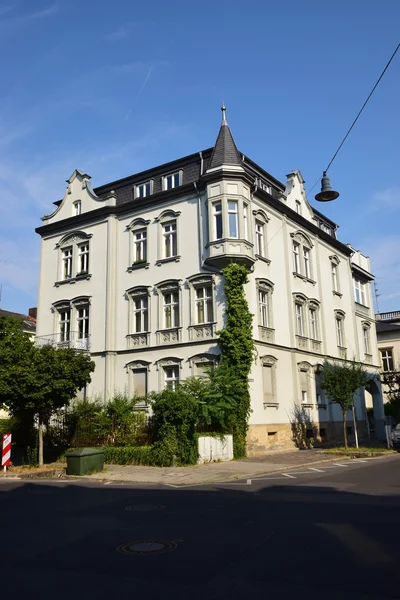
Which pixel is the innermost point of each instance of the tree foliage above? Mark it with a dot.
(391, 383)
(340, 382)
(38, 380)
(237, 349)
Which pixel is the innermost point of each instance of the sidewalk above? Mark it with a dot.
(215, 472)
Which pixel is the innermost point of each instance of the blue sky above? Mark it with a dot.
(116, 87)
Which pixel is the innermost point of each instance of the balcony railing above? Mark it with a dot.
(387, 316)
(73, 340)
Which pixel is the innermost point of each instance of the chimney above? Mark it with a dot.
(33, 313)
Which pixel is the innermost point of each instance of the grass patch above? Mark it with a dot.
(363, 450)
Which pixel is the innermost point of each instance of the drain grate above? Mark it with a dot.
(147, 547)
(145, 507)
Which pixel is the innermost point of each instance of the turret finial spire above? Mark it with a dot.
(223, 109)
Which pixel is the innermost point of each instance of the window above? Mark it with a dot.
(298, 207)
(77, 208)
(65, 325)
(263, 303)
(246, 221)
(140, 246)
(170, 247)
(339, 331)
(305, 379)
(359, 292)
(299, 319)
(335, 285)
(387, 360)
(172, 181)
(83, 258)
(171, 309)
(233, 218)
(306, 257)
(140, 314)
(296, 258)
(204, 304)
(259, 238)
(171, 377)
(217, 220)
(143, 189)
(319, 392)
(140, 382)
(313, 324)
(67, 263)
(83, 322)
(269, 381)
(367, 340)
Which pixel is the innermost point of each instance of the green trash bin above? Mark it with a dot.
(85, 461)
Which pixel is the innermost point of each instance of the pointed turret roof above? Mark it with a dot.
(225, 151)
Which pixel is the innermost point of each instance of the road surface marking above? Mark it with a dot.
(365, 549)
(340, 465)
(288, 475)
(360, 460)
(317, 470)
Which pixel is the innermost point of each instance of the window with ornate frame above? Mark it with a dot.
(260, 229)
(366, 330)
(340, 331)
(269, 381)
(305, 380)
(169, 370)
(168, 247)
(265, 289)
(72, 323)
(169, 311)
(138, 385)
(201, 362)
(139, 316)
(302, 256)
(138, 244)
(74, 249)
(202, 306)
(335, 274)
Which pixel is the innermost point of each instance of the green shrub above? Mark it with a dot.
(129, 455)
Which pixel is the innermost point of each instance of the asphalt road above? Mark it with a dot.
(330, 535)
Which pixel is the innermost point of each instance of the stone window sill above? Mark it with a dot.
(271, 405)
(336, 293)
(322, 405)
(80, 277)
(304, 278)
(362, 305)
(307, 404)
(138, 265)
(161, 261)
(263, 258)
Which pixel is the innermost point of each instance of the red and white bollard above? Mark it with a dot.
(6, 454)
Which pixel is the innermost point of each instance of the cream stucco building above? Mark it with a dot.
(388, 334)
(131, 271)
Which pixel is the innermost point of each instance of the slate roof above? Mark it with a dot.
(381, 327)
(28, 323)
(225, 151)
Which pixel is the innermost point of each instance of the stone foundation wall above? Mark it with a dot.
(284, 436)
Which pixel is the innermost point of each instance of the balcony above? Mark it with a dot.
(74, 341)
(224, 251)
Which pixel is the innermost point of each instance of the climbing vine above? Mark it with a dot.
(237, 349)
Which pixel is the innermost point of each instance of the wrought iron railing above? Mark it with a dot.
(73, 340)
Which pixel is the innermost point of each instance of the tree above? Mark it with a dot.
(340, 382)
(38, 380)
(391, 383)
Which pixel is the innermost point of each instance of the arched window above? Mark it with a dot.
(169, 372)
(74, 257)
(168, 236)
(169, 311)
(138, 244)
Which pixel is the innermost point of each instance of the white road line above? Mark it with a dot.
(288, 475)
(317, 470)
(360, 460)
(267, 478)
(340, 465)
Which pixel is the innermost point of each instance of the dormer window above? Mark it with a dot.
(77, 208)
(142, 190)
(172, 181)
(298, 207)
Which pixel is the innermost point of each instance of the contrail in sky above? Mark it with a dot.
(140, 92)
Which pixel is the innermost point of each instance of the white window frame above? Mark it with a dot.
(387, 360)
(360, 292)
(260, 238)
(204, 303)
(67, 257)
(140, 245)
(298, 207)
(306, 261)
(235, 212)
(296, 257)
(144, 189)
(83, 321)
(174, 178)
(313, 319)
(83, 258)
(339, 326)
(264, 307)
(305, 378)
(335, 277)
(246, 221)
(299, 314)
(218, 218)
(269, 362)
(171, 376)
(171, 309)
(140, 309)
(65, 324)
(170, 239)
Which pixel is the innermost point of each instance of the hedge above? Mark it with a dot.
(129, 455)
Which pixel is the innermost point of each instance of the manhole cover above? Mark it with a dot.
(146, 547)
(144, 507)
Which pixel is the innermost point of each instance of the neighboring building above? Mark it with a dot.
(28, 322)
(131, 271)
(388, 334)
